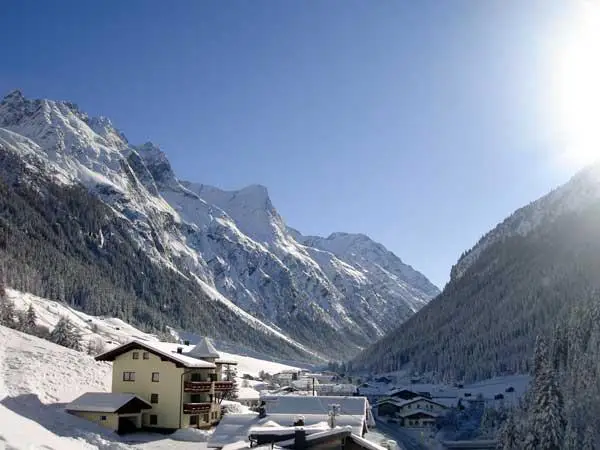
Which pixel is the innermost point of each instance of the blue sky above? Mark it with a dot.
(421, 124)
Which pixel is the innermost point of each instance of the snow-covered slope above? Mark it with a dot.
(38, 377)
(306, 291)
(580, 192)
(112, 332)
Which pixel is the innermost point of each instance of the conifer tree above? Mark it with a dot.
(589, 439)
(30, 320)
(545, 425)
(7, 310)
(65, 334)
(509, 436)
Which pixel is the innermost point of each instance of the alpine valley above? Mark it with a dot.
(103, 225)
(535, 274)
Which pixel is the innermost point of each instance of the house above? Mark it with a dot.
(285, 377)
(184, 384)
(336, 389)
(287, 411)
(416, 412)
(118, 412)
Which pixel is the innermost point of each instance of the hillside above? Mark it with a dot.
(520, 280)
(38, 377)
(79, 202)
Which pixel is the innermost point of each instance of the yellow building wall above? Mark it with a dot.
(111, 422)
(169, 387)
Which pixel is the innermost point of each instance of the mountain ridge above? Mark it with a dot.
(519, 281)
(233, 243)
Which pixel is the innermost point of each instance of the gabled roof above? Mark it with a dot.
(204, 349)
(107, 402)
(165, 350)
(422, 399)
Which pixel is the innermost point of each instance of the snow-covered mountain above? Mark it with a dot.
(581, 191)
(307, 291)
(524, 278)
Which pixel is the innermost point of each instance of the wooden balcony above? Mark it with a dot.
(196, 408)
(221, 386)
(194, 387)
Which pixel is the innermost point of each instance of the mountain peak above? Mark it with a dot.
(14, 96)
(157, 162)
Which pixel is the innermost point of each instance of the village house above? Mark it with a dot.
(170, 386)
(286, 377)
(417, 412)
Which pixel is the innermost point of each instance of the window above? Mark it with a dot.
(102, 417)
(153, 398)
(155, 377)
(195, 398)
(194, 420)
(153, 419)
(136, 355)
(145, 355)
(128, 376)
(196, 377)
(206, 418)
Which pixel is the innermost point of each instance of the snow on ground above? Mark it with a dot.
(252, 366)
(110, 331)
(37, 378)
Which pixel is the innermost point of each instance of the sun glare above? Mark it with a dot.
(577, 87)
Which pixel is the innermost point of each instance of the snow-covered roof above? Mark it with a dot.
(362, 442)
(108, 402)
(296, 404)
(226, 361)
(204, 349)
(324, 434)
(165, 349)
(237, 427)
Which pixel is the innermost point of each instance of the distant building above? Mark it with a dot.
(336, 389)
(183, 384)
(414, 413)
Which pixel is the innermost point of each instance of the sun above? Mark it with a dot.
(577, 87)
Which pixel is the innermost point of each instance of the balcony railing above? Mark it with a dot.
(197, 386)
(194, 408)
(223, 385)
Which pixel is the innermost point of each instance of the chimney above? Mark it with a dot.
(299, 439)
(186, 342)
(179, 349)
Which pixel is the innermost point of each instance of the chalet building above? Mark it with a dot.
(183, 385)
(417, 412)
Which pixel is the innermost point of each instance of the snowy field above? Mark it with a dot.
(37, 378)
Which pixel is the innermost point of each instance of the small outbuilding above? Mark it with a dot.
(118, 412)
